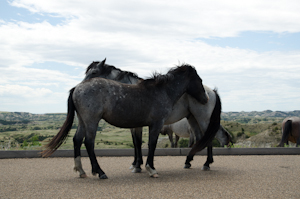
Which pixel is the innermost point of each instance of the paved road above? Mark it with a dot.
(229, 177)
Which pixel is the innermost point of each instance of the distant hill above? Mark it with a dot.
(227, 116)
(25, 116)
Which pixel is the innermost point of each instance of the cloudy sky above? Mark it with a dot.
(249, 50)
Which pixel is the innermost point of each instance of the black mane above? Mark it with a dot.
(159, 79)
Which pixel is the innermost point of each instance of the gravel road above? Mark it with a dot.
(229, 177)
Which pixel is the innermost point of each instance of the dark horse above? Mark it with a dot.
(199, 115)
(290, 131)
(148, 103)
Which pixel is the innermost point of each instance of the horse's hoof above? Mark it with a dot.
(152, 172)
(103, 176)
(131, 167)
(205, 168)
(136, 170)
(187, 166)
(83, 175)
(154, 176)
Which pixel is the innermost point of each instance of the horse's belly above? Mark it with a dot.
(181, 128)
(125, 124)
(127, 117)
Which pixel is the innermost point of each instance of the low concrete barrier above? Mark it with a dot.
(158, 152)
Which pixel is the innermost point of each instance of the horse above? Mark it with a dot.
(181, 110)
(183, 129)
(290, 131)
(148, 103)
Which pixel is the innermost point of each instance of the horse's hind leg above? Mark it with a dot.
(89, 143)
(135, 149)
(195, 128)
(77, 142)
(209, 159)
(137, 142)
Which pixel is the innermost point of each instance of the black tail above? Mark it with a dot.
(285, 134)
(61, 136)
(211, 130)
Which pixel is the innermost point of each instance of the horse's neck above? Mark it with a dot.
(220, 136)
(176, 88)
(126, 79)
(113, 75)
(134, 80)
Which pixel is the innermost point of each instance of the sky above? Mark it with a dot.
(249, 50)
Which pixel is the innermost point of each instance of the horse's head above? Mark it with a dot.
(195, 87)
(95, 69)
(100, 69)
(224, 137)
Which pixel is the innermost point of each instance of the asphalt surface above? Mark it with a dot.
(230, 177)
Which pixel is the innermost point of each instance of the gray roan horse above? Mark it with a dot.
(183, 129)
(148, 103)
(181, 109)
(290, 131)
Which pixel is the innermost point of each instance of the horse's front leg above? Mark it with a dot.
(209, 159)
(137, 142)
(153, 136)
(77, 142)
(89, 143)
(170, 135)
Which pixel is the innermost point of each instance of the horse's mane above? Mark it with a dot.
(159, 79)
(107, 69)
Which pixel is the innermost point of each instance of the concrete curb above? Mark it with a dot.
(158, 152)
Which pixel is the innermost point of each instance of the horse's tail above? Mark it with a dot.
(211, 131)
(285, 134)
(61, 136)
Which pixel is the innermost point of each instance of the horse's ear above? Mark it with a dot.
(103, 62)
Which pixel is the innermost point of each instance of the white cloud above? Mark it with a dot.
(188, 18)
(23, 91)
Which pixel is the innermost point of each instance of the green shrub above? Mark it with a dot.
(183, 143)
(239, 134)
(215, 143)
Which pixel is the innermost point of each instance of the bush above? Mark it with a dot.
(36, 128)
(215, 143)
(239, 134)
(183, 143)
